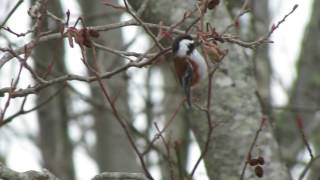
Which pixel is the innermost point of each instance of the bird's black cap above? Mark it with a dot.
(175, 44)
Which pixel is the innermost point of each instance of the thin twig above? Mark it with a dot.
(148, 31)
(13, 86)
(273, 28)
(303, 136)
(167, 149)
(7, 56)
(116, 114)
(22, 111)
(123, 54)
(157, 136)
(70, 77)
(11, 13)
(308, 166)
(209, 121)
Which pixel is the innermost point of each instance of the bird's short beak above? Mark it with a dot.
(197, 43)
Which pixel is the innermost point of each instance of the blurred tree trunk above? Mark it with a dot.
(235, 107)
(305, 99)
(113, 150)
(54, 142)
(262, 64)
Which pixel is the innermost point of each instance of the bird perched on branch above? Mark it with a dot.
(190, 66)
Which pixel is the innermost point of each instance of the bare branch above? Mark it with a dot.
(148, 31)
(69, 77)
(23, 111)
(303, 136)
(8, 174)
(308, 166)
(120, 176)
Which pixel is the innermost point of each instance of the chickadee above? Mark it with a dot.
(190, 66)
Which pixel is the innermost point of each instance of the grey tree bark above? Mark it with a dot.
(54, 142)
(237, 114)
(257, 26)
(113, 150)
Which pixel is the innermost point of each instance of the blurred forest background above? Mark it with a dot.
(57, 113)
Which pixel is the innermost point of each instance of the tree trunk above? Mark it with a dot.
(54, 142)
(113, 150)
(237, 114)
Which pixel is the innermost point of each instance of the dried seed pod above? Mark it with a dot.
(214, 53)
(259, 171)
(94, 33)
(87, 43)
(253, 162)
(85, 38)
(213, 3)
(261, 160)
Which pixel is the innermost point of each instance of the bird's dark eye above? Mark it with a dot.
(191, 47)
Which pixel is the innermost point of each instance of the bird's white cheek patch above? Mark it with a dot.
(182, 52)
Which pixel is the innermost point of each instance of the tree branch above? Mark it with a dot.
(120, 176)
(9, 174)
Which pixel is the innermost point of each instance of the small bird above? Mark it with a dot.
(190, 66)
